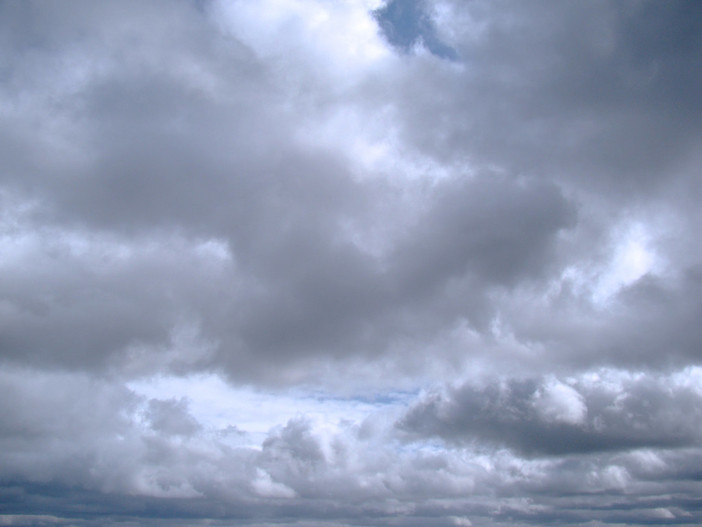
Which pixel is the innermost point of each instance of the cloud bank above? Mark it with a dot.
(351, 263)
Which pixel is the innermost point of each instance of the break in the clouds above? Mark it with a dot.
(406, 25)
(351, 263)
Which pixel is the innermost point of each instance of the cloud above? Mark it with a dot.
(584, 94)
(77, 459)
(349, 263)
(171, 416)
(315, 261)
(559, 402)
(597, 412)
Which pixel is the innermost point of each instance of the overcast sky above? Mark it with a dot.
(350, 263)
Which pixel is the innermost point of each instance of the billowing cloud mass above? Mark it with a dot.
(350, 263)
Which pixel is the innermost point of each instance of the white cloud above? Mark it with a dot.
(266, 487)
(559, 402)
(339, 39)
(632, 257)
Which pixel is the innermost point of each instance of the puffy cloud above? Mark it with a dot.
(238, 238)
(556, 401)
(68, 456)
(171, 416)
(596, 412)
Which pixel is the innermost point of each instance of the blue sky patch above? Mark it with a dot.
(405, 23)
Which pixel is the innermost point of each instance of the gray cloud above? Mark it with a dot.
(171, 416)
(490, 197)
(99, 460)
(590, 94)
(550, 417)
(200, 147)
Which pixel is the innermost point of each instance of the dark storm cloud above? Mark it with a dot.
(542, 417)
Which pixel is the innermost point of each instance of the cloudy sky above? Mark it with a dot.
(350, 263)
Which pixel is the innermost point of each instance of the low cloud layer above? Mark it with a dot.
(350, 263)
(598, 412)
(120, 455)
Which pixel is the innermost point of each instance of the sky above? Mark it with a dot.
(350, 263)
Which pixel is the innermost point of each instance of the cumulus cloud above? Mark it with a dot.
(364, 262)
(602, 411)
(171, 416)
(77, 457)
